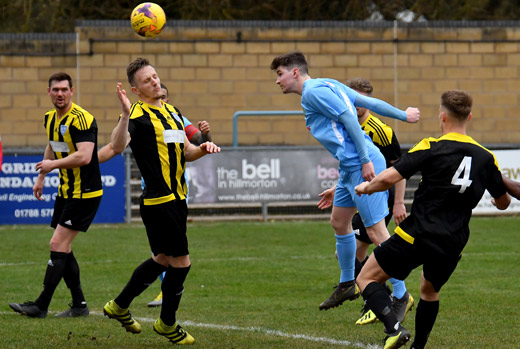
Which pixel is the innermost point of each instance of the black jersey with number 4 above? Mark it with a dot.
(456, 170)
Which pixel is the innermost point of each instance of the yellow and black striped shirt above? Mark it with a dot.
(78, 125)
(157, 142)
(383, 137)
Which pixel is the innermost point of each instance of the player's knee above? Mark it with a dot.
(429, 295)
(378, 235)
(160, 259)
(57, 246)
(339, 227)
(179, 262)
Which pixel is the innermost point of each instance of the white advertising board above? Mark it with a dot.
(509, 162)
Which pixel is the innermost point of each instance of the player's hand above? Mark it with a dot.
(45, 166)
(399, 212)
(210, 147)
(327, 198)
(361, 188)
(367, 171)
(123, 98)
(413, 115)
(38, 188)
(204, 126)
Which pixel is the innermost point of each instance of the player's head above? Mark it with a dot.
(164, 93)
(60, 90)
(289, 67)
(290, 60)
(364, 87)
(61, 76)
(361, 85)
(144, 80)
(456, 104)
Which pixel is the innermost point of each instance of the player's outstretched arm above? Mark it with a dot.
(194, 152)
(513, 188)
(502, 202)
(349, 120)
(399, 209)
(106, 153)
(205, 131)
(411, 115)
(38, 185)
(382, 182)
(120, 135)
(327, 198)
(79, 158)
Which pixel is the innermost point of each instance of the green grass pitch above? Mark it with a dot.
(254, 285)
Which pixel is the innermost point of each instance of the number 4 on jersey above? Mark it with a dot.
(465, 169)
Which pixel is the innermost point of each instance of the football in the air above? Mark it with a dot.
(148, 19)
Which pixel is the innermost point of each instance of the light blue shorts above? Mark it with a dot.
(372, 208)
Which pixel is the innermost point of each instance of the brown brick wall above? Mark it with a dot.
(211, 76)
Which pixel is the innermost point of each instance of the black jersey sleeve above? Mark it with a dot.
(88, 135)
(496, 186)
(412, 161)
(392, 151)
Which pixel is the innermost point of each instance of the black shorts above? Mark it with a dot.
(75, 214)
(398, 258)
(357, 223)
(166, 227)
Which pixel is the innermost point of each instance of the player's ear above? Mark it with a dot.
(469, 117)
(296, 72)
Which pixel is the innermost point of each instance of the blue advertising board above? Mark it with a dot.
(18, 205)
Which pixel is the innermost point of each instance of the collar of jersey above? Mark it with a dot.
(153, 106)
(72, 106)
(457, 137)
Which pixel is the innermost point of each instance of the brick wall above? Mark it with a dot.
(214, 69)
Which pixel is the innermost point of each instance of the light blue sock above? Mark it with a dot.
(398, 288)
(346, 248)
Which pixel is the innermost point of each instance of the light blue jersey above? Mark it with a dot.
(328, 105)
(323, 101)
(186, 122)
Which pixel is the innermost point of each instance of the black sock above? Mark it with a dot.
(358, 266)
(72, 279)
(143, 276)
(172, 288)
(425, 316)
(53, 274)
(378, 301)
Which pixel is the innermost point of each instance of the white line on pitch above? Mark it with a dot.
(250, 329)
(267, 331)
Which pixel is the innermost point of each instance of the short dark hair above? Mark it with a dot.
(290, 60)
(361, 85)
(458, 103)
(60, 77)
(166, 88)
(135, 66)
